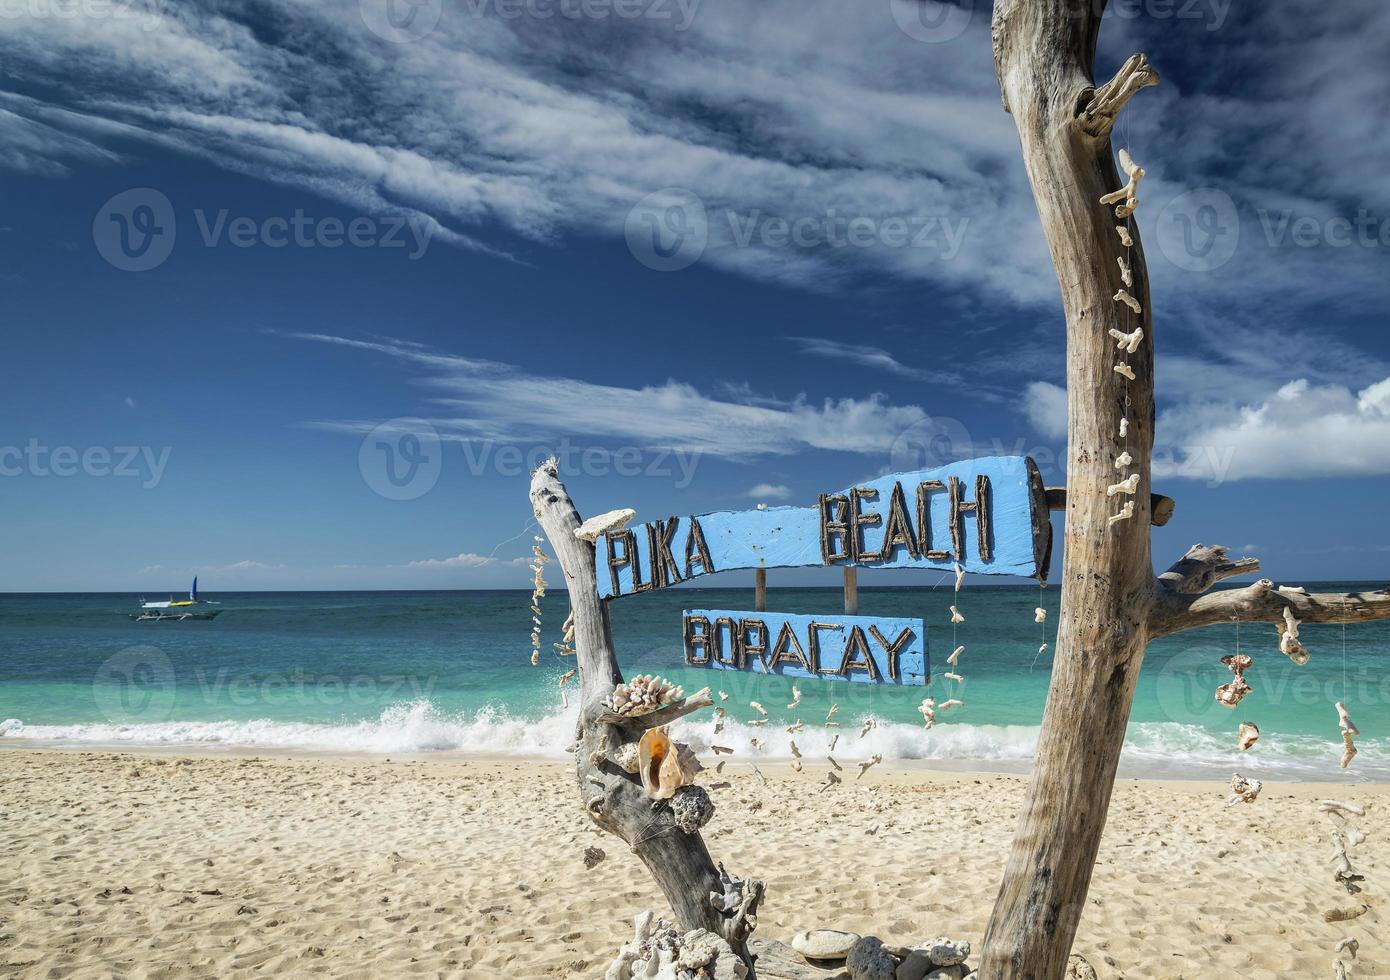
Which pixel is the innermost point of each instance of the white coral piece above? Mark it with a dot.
(1128, 342)
(644, 694)
(600, 524)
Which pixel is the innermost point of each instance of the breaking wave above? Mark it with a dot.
(1152, 749)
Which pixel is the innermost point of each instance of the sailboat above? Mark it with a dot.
(176, 609)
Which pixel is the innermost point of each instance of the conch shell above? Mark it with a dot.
(665, 766)
(1249, 734)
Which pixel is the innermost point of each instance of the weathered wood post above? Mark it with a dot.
(760, 589)
(1112, 603)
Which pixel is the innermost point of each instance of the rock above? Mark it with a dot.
(692, 808)
(947, 973)
(868, 960)
(914, 966)
(1079, 969)
(824, 944)
(946, 952)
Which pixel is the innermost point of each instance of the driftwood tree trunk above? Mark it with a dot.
(679, 861)
(1112, 603)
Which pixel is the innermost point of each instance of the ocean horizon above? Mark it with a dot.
(448, 671)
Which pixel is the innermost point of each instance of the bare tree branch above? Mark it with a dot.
(1099, 114)
(1262, 601)
(1202, 567)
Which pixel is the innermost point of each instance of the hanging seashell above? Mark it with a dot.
(954, 658)
(1129, 193)
(956, 616)
(535, 658)
(1126, 273)
(723, 696)
(796, 697)
(1128, 485)
(1123, 461)
(720, 768)
(960, 576)
(1344, 721)
(1040, 615)
(665, 766)
(868, 726)
(1128, 342)
(756, 743)
(1042, 649)
(796, 727)
(567, 677)
(1126, 512)
(1289, 643)
(955, 677)
(833, 739)
(758, 722)
(1125, 369)
(830, 780)
(953, 703)
(834, 708)
(721, 750)
(1231, 694)
(796, 765)
(600, 524)
(1126, 239)
(1121, 296)
(928, 709)
(1124, 428)
(1244, 790)
(796, 753)
(831, 759)
(1249, 735)
(1348, 749)
(758, 708)
(868, 764)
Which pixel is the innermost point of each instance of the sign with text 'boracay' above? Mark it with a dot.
(989, 515)
(848, 648)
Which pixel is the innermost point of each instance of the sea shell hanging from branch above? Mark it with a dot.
(960, 576)
(952, 703)
(796, 697)
(928, 709)
(1289, 643)
(1231, 694)
(1128, 485)
(954, 658)
(644, 694)
(1125, 370)
(1124, 461)
(1126, 239)
(1126, 512)
(1128, 342)
(956, 615)
(665, 766)
(868, 764)
(1249, 735)
(1349, 730)
(1121, 296)
(868, 726)
(1124, 428)
(954, 677)
(1126, 273)
(1040, 615)
(1127, 197)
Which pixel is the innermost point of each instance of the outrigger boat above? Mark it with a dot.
(179, 609)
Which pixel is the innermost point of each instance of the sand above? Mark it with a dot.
(162, 865)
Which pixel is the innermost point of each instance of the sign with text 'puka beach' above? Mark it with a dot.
(847, 648)
(989, 515)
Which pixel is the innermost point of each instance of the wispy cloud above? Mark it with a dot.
(871, 357)
(483, 400)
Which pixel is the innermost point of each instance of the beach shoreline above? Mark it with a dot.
(166, 862)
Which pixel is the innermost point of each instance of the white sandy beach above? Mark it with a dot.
(144, 865)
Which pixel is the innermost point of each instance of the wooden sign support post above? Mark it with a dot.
(851, 591)
(760, 590)
(1112, 603)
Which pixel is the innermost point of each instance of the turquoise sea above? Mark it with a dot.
(430, 672)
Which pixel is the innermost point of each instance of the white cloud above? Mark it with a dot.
(769, 491)
(1045, 404)
(1302, 430)
(464, 560)
(487, 401)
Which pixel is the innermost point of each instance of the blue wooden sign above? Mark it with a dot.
(989, 515)
(847, 648)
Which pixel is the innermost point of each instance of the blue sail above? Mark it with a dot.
(193, 592)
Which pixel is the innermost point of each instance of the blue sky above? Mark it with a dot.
(723, 253)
